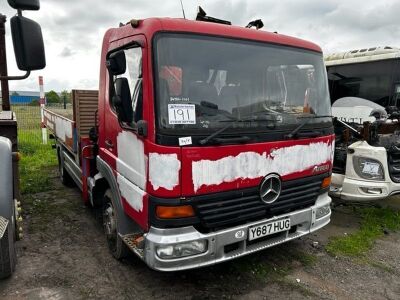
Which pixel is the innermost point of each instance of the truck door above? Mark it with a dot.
(125, 148)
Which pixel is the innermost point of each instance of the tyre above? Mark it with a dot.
(110, 224)
(8, 257)
(65, 178)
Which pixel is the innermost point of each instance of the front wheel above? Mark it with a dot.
(8, 257)
(110, 224)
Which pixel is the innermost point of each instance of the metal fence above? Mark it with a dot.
(29, 121)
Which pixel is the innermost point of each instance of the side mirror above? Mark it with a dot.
(28, 43)
(25, 4)
(122, 100)
(116, 63)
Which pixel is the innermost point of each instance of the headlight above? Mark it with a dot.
(322, 211)
(182, 250)
(368, 168)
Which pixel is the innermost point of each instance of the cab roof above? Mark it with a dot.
(151, 26)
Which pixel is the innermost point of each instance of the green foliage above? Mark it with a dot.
(34, 102)
(65, 95)
(374, 221)
(52, 97)
(37, 163)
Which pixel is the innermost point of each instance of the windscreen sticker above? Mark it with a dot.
(183, 141)
(181, 114)
(175, 99)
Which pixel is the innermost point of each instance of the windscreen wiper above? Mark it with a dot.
(355, 131)
(231, 123)
(295, 131)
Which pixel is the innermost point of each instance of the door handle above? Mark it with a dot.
(109, 143)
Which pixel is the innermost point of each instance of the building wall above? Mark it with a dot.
(22, 99)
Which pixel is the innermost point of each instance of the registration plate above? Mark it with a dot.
(265, 229)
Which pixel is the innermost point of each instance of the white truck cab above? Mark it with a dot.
(365, 89)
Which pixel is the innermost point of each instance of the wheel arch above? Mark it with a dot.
(125, 224)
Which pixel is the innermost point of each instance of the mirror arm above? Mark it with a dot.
(16, 77)
(131, 128)
(139, 127)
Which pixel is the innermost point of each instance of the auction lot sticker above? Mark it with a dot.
(181, 114)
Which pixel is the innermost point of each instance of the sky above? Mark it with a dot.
(73, 29)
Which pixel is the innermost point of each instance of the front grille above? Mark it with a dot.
(394, 163)
(221, 210)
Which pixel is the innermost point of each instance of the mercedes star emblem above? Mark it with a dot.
(270, 188)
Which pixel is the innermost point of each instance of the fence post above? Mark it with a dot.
(42, 104)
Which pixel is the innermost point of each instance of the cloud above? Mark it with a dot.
(66, 52)
(73, 29)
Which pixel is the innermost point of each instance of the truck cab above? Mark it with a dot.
(209, 142)
(365, 90)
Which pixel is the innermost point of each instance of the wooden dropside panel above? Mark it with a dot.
(85, 106)
(62, 127)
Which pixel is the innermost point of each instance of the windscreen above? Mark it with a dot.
(203, 82)
(369, 80)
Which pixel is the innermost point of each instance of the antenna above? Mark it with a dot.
(183, 10)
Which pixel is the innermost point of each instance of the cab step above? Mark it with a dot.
(135, 243)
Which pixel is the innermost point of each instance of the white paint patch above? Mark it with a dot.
(164, 170)
(132, 193)
(131, 161)
(48, 115)
(63, 129)
(50, 125)
(250, 165)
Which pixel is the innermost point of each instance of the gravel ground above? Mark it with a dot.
(64, 256)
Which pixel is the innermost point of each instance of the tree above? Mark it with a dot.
(52, 97)
(67, 95)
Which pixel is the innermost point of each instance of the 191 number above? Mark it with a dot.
(183, 114)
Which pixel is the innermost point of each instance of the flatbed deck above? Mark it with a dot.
(71, 125)
(67, 113)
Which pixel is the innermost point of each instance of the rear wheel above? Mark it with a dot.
(110, 224)
(8, 257)
(65, 178)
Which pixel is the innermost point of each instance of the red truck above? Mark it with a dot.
(204, 143)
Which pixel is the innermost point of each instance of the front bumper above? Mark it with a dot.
(302, 222)
(351, 189)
